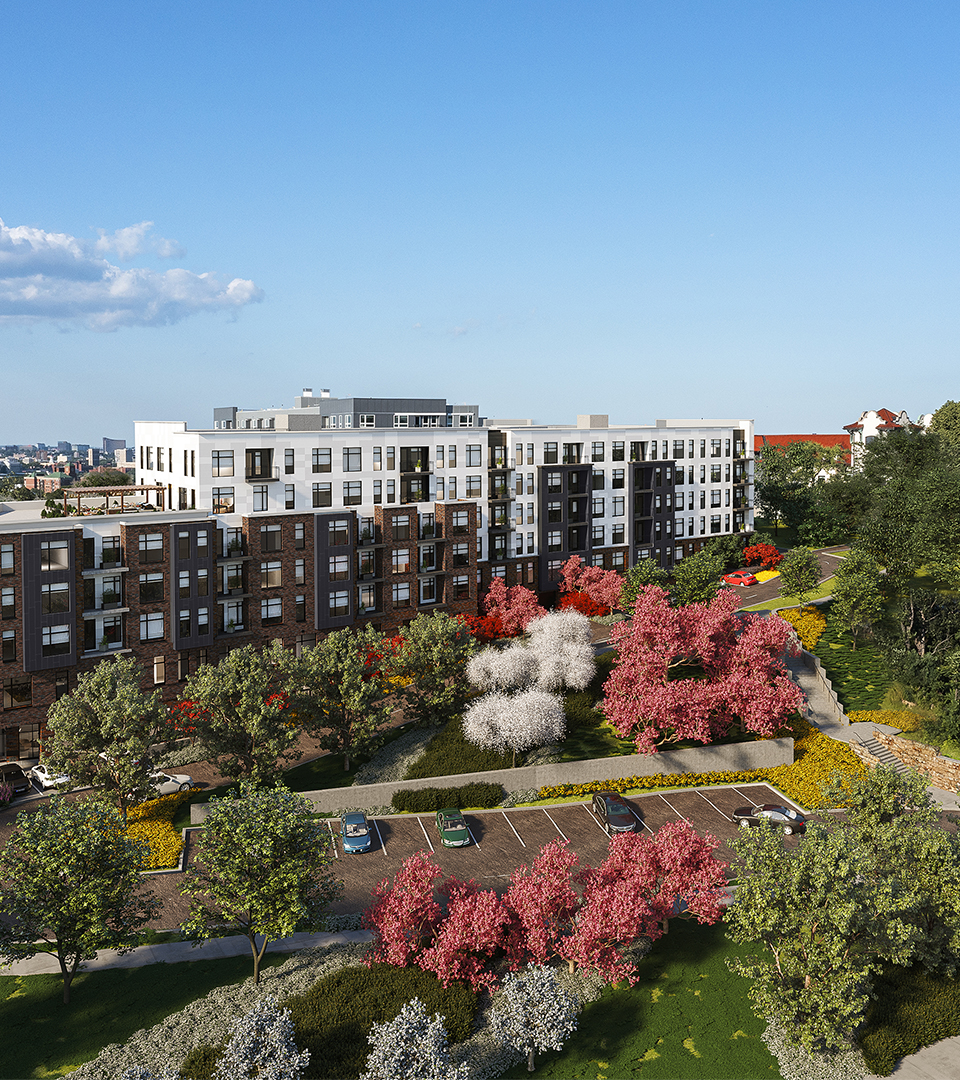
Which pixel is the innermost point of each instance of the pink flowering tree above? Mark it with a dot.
(405, 912)
(695, 672)
(515, 606)
(602, 586)
(542, 900)
(473, 929)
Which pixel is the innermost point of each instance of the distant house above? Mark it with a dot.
(873, 424)
(830, 441)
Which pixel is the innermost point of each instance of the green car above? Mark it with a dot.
(452, 828)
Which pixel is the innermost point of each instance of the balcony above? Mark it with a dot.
(265, 475)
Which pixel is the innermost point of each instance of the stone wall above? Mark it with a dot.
(735, 757)
(942, 772)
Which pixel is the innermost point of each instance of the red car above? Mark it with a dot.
(740, 577)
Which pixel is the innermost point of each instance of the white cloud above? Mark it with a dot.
(56, 277)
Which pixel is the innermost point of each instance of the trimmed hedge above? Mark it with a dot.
(424, 800)
(912, 1009)
(332, 1018)
(448, 754)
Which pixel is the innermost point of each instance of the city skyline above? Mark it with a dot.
(688, 210)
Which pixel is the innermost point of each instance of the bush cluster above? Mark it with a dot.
(809, 623)
(904, 719)
(911, 1009)
(861, 676)
(424, 800)
(449, 754)
(150, 823)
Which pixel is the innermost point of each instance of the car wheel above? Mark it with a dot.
(787, 831)
(744, 824)
(184, 787)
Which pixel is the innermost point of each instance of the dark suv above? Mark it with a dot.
(614, 811)
(12, 774)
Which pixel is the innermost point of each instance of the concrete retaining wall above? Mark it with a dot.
(737, 757)
(942, 772)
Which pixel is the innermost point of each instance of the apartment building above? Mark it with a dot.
(324, 516)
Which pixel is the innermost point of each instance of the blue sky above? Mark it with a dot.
(648, 209)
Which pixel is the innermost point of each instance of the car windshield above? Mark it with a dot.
(452, 821)
(355, 828)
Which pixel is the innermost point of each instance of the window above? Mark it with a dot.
(223, 500)
(352, 492)
(715, 497)
(322, 495)
(616, 534)
(183, 546)
(149, 458)
(352, 459)
(677, 448)
(18, 692)
(599, 480)
(300, 572)
(727, 473)
(159, 459)
(401, 420)
(461, 554)
(596, 451)
(452, 457)
(618, 480)
(618, 505)
(428, 558)
(368, 420)
(596, 535)
(269, 537)
(461, 587)
(367, 598)
(555, 540)
(184, 584)
(202, 580)
(550, 455)
(151, 626)
(401, 527)
(54, 598)
(299, 540)
(554, 570)
(367, 563)
(714, 447)
(703, 499)
(260, 498)
(391, 458)
(6, 559)
(529, 513)
(391, 491)
(221, 463)
(61, 685)
(474, 487)
(300, 609)
(7, 604)
(401, 561)
(452, 488)
(715, 474)
(554, 483)
(289, 497)
(703, 525)
(530, 547)
(378, 491)
(703, 448)
(727, 498)
(714, 523)
(519, 543)
(184, 622)
(338, 532)
(9, 647)
(498, 572)
(461, 521)
(151, 588)
(596, 507)
(338, 568)
(271, 611)
(320, 459)
(269, 575)
(428, 590)
(288, 461)
(679, 529)
(54, 555)
(401, 595)
(474, 460)
(555, 511)
(571, 453)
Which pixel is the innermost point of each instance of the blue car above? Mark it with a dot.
(355, 833)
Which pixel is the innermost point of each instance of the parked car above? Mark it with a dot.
(355, 834)
(614, 811)
(44, 778)
(12, 774)
(791, 821)
(452, 828)
(168, 783)
(740, 577)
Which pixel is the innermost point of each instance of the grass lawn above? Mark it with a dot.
(688, 1016)
(860, 676)
(825, 588)
(42, 1037)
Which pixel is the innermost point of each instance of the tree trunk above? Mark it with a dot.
(530, 1060)
(68, 974)
(257, 955)
(346, 761)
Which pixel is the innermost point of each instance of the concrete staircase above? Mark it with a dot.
(883, 755)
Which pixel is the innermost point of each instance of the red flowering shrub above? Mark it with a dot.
(765, 554)
(584, 603)
(485, 628)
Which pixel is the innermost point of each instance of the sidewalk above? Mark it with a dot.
(178, 952)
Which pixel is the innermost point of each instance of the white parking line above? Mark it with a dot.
(474, 839)
(713, 804)
(333, 838)
(593, 818)
(379, 834)
(515, 833)
(675, 810)
(424, 831)
(556, 826)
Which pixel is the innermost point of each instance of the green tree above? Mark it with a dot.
(799, 573)
(696, 579)
(71, 879)
(434, 650)
(241, 712)
(12, 490)
(340, 690)
(946, 422)
(262, 867)
(857, 598)
(785, 479)
(107, 478)
(104, 733)
(645, 572)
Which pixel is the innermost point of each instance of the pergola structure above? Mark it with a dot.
(122, 490)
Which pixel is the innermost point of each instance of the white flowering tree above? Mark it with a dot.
(532, 1012)
(515, 722)
(412, 1046)
(560, 643)
(262, 1046)
(503, 669)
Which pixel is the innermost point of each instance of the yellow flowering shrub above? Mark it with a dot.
(766, 575)
(816, 758)
(150, 823)
(808, 622)
(904, 719)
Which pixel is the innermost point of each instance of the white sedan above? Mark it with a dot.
(45, 778)
(169, 783)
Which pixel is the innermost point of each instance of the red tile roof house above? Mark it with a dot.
(872, 425)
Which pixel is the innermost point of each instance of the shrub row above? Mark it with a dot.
(333, 1017)
(904, 719)
(424, 800)
(808, 622)
(150, 823)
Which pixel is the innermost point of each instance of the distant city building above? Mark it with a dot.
(93, 457)
(111, 446)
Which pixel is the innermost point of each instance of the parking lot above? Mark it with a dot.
(505, 839)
